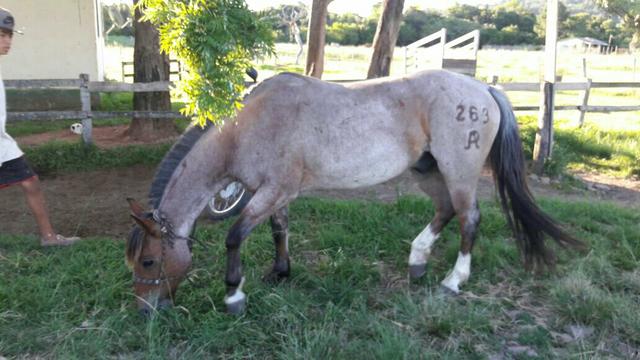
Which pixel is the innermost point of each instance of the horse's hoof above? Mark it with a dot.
(237, 307)
(448, 292)
(274, 277)
(417, 271)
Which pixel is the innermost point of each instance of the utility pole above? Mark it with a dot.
(544, 136)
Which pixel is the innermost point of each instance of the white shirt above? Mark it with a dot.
(9, 149)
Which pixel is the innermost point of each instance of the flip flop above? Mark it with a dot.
(60, 241)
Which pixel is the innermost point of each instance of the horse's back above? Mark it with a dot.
(365, 132)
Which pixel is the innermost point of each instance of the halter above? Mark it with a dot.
(168, 237)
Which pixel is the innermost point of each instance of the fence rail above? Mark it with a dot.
(584, 106)
(86, 87)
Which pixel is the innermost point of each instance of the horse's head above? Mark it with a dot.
(159, 259)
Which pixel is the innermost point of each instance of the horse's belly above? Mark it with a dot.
(358, 167)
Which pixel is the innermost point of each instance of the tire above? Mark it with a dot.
(228, 202)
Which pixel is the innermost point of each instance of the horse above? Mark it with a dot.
(297, 133)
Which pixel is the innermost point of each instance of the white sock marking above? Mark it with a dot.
(459, 274)
(238, 295)
(421, 246)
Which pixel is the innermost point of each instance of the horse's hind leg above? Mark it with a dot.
(431, 182)
(466, 208)
(280, 232)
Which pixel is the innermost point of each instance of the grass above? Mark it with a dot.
(56, 156)
(348, 296)
(590, 148)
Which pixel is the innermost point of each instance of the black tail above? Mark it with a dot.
(526, 219)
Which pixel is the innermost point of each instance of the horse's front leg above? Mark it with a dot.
(262, 204)
(280, 232)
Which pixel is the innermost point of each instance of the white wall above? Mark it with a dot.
(61, 40)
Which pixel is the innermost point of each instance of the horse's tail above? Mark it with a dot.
(526, 219)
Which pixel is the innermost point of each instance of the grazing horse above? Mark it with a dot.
(297, 133)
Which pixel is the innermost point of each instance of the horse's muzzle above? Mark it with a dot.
(146, 310)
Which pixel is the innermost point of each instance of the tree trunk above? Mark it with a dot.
(385, 39)
(149, 65)
(634, 45)
(316, 38)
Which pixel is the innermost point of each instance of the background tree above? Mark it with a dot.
(289, 16)
(385, 39)
(563, 22)
(350, 29)
(216, 40)
(118, 19)
(316, 38)
(629, 12)
(149, 65)
(512, 23)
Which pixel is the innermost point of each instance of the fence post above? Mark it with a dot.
(443, 42)
(406, 54)
(585, 103)
(544, 136)
(85, 100)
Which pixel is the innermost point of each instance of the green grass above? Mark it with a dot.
(590, 148)
(348, 296)
(57, 157)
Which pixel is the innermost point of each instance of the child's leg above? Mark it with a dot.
(35, 200)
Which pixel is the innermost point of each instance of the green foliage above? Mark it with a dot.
(510, 23)
(629, 12)
(418, 24)
(216, 40)
(279, 25)
(499, 26)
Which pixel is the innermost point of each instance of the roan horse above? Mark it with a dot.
(297, 133)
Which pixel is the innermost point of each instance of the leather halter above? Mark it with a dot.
(168, 236)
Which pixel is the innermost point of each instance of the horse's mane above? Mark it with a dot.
(170, 161)
(186, 142)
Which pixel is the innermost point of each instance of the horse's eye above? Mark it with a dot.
(147, 263)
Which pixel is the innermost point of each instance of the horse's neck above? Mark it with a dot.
(198, 176)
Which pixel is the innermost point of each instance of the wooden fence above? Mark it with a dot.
(458, 55)
(86, 87)
(586, 87)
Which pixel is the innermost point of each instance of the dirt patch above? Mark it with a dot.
(94, 203)
(104, 137)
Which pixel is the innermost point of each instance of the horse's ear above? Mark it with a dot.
(136, 208)
(145, 224)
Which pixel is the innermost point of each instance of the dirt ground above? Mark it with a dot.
(94, 203)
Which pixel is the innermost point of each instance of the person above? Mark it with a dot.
(14, 169)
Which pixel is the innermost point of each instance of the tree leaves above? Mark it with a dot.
(216, 40)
